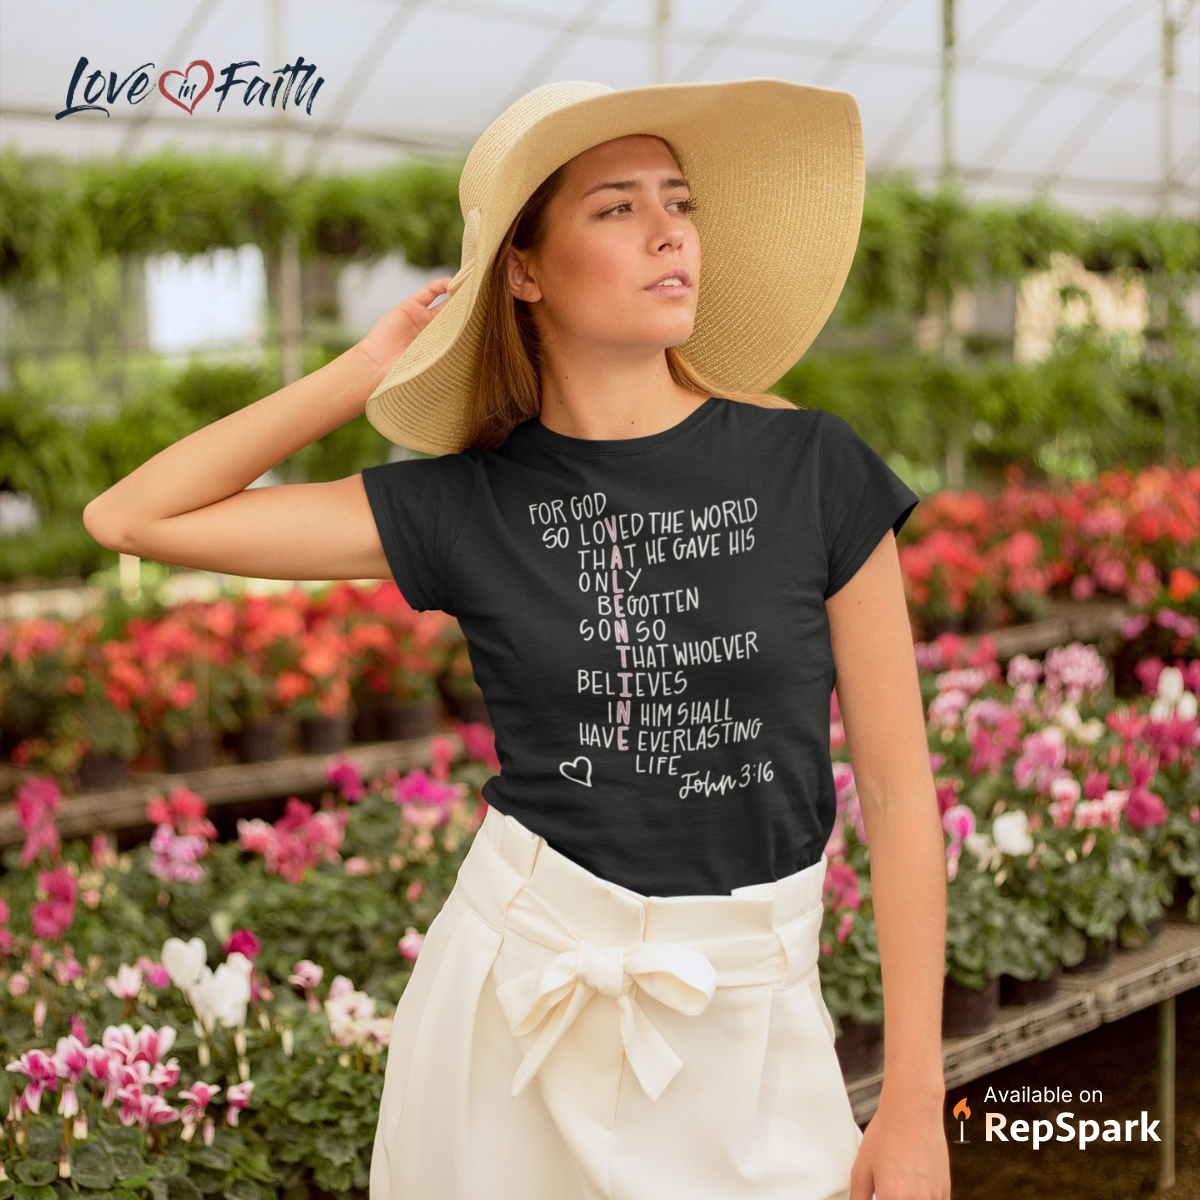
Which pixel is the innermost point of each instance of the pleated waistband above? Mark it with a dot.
(765, 932)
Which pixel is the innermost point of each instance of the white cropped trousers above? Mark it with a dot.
(564, 1038)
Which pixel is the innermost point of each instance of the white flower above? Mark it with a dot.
(1010, 832)
(1170, 684)
(221, 995)
(184, 961)
(240, 963)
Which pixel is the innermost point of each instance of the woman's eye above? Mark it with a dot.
(687, 205)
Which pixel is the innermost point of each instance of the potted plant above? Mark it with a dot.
(317, 690)
(267, 637)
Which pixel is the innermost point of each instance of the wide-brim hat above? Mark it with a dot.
(777, 168)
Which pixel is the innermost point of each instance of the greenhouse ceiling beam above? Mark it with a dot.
(821, 48)
(179, 48)
(368, 64)
(1147, 189)
(567, 35)
(930, 97)
(418, 143)
(1093, 120)
(1025, 112)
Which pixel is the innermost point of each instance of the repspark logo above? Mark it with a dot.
(997, 1127)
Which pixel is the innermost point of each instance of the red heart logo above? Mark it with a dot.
(162, 79)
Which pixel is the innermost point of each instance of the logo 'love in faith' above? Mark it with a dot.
(294, 83)
(574, 766)
(187, 90)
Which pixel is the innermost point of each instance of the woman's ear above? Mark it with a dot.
(520, 282)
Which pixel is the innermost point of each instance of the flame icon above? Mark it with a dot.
(961, 1109)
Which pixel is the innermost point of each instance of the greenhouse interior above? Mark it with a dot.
(233, 805)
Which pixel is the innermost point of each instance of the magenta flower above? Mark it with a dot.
(1144, 809)
(244, 942)
(198, 1097)
(238, 1096)
(51, 918)
(346, 777)
(40, 1069)
(37, 800)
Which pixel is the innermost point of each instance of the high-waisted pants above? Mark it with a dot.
(565, 1038)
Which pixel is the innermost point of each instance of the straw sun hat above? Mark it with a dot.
(778, 168)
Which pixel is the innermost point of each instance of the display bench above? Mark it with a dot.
(1133, 980)
(227, 784)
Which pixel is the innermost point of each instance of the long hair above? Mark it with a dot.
(508, 386)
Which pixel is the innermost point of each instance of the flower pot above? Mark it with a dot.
(196, 753)
(260, 741)
(1098, 955)
(399, 722)
(97, 770)
(324, 735)
(969, 1010)
(1029, 991)
(368, 715)
(469, 708)
(1134, 938)
(859, 1048)
(1179, 904)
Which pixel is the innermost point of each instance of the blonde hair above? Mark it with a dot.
(508, 382)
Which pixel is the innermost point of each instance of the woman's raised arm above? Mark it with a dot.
(191, 504)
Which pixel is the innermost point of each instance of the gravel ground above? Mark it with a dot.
(1121, 1060)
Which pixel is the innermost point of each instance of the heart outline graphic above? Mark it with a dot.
(183, 75)
(574, 763)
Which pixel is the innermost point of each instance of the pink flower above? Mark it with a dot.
(306, 974)
(198, 1097)
(176, 856)
(238, 1096)
(244, 942)
(37, 800)
(346, 777)
(51, 918)
(40, 1070)
(155, 974)
(357, 865)
(127, 982)
(410, 943)
(1144, 809)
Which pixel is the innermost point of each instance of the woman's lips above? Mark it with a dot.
(669, 289)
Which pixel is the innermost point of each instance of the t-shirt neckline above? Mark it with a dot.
(598, 447)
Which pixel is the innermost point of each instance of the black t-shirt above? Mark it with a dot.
(646, 619)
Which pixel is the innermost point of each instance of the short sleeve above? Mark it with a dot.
(420, 506)
(861, 498)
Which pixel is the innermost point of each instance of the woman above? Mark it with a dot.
(660, 571)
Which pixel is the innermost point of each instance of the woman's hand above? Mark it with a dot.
(397, 329)
(904, 1155)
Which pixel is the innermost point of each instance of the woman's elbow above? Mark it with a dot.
(102, 524)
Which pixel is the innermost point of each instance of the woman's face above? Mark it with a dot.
(606, 244)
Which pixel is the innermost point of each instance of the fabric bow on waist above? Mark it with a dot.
(552, 996)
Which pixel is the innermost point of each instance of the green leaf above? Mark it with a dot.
(127, 1162)
(242, 1189)
(179, 1187)
(92, 1166)
(35, 1172)
(211, 1156)
(41, 1191)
